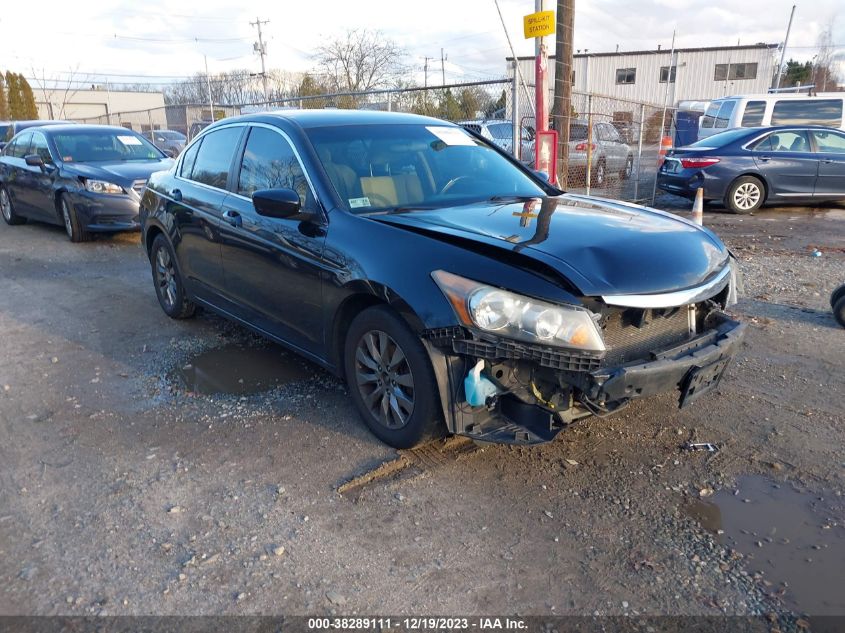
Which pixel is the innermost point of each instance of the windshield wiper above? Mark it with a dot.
(513, 198)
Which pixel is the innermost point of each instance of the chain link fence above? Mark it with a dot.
(614, 148)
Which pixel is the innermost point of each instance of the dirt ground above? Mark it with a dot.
(126, 491)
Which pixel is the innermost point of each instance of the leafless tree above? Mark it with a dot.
(824, 68)
(360, 60)
(61, 92)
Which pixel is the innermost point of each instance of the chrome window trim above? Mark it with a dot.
(768, 132)
(673, 299)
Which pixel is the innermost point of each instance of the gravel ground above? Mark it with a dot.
(123, 492)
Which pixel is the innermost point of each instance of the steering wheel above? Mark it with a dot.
(451, 184)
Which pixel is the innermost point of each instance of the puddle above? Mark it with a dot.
(792, 536)
(240, 370)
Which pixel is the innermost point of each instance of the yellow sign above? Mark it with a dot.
(539, 24)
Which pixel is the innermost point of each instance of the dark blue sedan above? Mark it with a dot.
(87, 178)
(746, 168)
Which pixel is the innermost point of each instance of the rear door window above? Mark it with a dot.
(790, 141)
(214, 158)
(20, 148)
(753, 115)
(724, 116)
(808, 112)
(188, 160)
(709, 118)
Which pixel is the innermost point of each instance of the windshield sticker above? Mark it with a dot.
(129, 140)
(357, 203)
(451, 135)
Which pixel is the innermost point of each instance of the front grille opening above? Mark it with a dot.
(632, 334)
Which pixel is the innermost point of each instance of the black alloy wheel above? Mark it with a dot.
(391, 380)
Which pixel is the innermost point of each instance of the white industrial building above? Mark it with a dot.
(101, 105)
(691, 74)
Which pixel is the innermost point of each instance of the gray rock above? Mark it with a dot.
(335, 598)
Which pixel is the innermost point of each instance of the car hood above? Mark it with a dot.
(123, 173)
(600, 246)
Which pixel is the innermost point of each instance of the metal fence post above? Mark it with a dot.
(517, 137)
(590, 142)
(390, 102)
(639, 152)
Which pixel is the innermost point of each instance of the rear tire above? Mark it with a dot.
(746, 194)
(73, 226)
(837, 294)
(7, 209)
(391, 380)
(170, 289)
(839, 311)
(599, 175)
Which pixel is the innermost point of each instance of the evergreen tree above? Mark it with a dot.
(14, 96)
(4, 104)
(30, 110)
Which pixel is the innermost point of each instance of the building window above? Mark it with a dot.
(730, 72)
(665, 75)
(626, 75)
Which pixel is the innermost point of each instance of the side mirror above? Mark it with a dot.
(169, 153)
(277, 203)
(543, 175)
(34, 160)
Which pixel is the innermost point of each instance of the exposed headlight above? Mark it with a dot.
(519, 317)
(101, 186)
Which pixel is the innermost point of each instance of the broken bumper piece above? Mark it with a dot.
(522, 416)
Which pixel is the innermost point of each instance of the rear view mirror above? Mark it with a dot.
(33, 160)
(276, 203)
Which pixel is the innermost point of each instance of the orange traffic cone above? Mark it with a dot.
(698, 207)
(665, 146)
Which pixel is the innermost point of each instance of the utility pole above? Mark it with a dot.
(443, 68)
(564, 33)
(783, 50)
(259, 48)
(425, 70)
(208, 83)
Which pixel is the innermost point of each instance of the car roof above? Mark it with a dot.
(77, 128)
(330, 117)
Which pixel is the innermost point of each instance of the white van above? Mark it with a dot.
(762, 110)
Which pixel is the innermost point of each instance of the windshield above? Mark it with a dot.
(722, 138)
(170, 135)
(104, 146)
(389, 167)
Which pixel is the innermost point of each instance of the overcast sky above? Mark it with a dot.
(95, 37)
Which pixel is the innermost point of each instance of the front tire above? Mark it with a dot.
(628, 169)
(70, 218)
(7, 209)
(391, 380)
(170, 289)
(746, 194)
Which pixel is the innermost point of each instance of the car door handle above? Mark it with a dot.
(233, 217)
(765, 159)
(828, 161)
(176, 194)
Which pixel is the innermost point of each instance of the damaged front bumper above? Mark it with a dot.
(571, 385)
